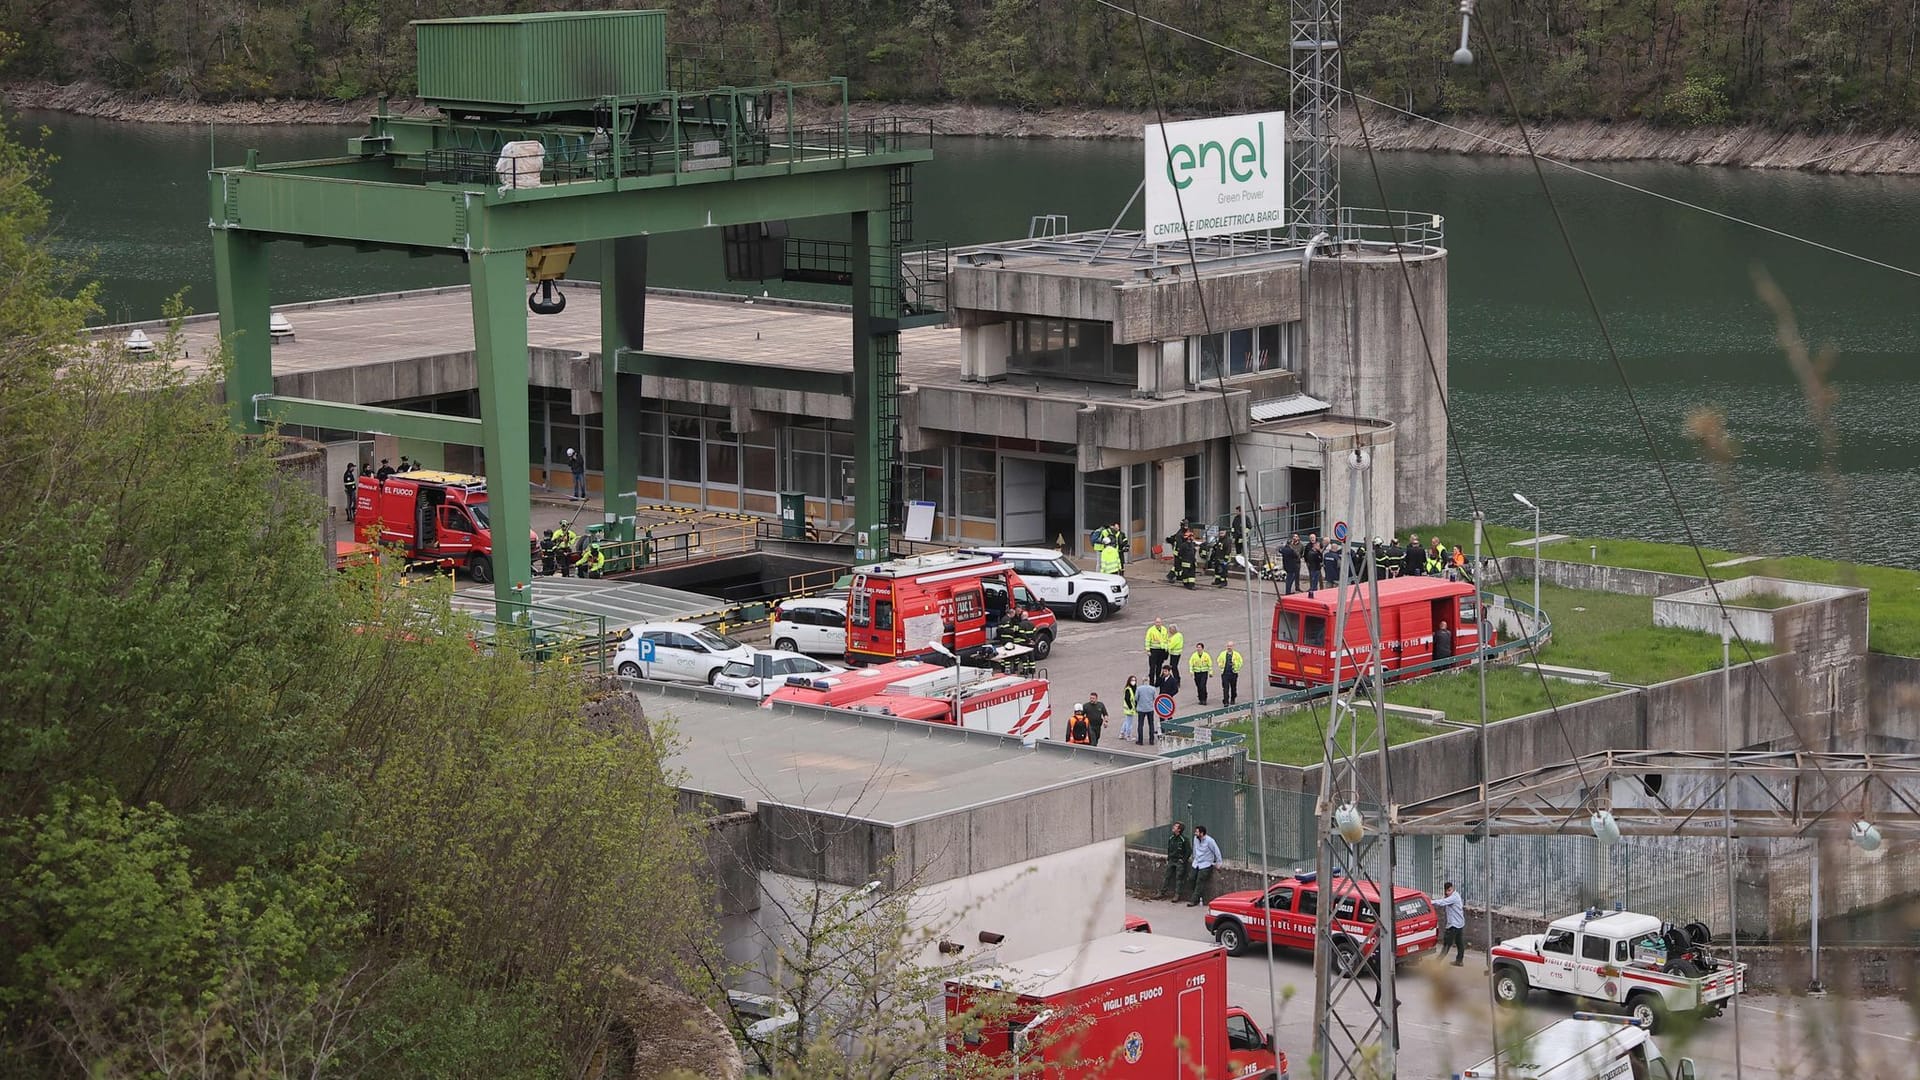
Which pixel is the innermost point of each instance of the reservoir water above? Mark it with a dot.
(1537, 405)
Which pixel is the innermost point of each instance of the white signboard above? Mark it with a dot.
(1229, 174)
(919, 521)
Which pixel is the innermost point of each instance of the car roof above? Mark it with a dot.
(838, 603)
(779, 654)
(1018, 552)
(1367, 889)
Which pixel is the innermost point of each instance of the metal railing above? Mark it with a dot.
(693, 131)
(545, 636)
(1407, 228)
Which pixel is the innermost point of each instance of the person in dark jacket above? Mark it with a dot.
(351, 481)
(1316, 561)
(1096, 712)
(1290, 563)
(1179, 852)
(1415, 562)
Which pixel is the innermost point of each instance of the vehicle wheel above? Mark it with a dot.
(787, 644)
(1347, 960)
(1093, 607)
(1231, 936)
(713, 676)
(1509, 986)
(629, 670)
(480, 569)
(1649, 1011)
(1686, 969)
(1042, 646)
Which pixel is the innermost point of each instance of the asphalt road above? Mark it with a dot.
(1099, 656)
(1446, 1019)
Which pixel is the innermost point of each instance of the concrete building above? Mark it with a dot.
(983, 834)
(1081, 380)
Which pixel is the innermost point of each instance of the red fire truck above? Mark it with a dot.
(988, 701)
(435, 517)
(1411, 609)
(899, 610)
(1125, 1005)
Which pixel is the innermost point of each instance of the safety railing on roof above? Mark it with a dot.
(681, 132)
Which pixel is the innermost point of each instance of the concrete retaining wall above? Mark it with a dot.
(1573, 575)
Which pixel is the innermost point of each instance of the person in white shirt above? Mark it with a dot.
(1206, 856)
(1453, 912)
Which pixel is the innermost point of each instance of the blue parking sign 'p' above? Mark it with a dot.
(1163, 706)
(646, 650)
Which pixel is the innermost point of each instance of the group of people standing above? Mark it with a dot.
(1190, 865)
(1321, 562)
(1109, 542)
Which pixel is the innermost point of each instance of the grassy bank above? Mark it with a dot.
(1894, 604)
(1592, 630)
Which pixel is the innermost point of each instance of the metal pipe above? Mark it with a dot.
(1486, 754)
(1306, 296)
(1259, 768)
(1726, 794)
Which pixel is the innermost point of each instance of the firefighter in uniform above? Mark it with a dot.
(563, 538)
(1219, 560)
(1201, 666)
(595, 560)
(1186, 559)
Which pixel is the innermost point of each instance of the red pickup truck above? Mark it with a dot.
(1284, 916)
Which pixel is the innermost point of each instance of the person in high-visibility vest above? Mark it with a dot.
(1229, 662)
(1135, 701)
(1156, 648)
(1201, 666)
(594, 561)
(1176, 645)
(1110, 554)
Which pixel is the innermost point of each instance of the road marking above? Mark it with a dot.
(1790, 1016)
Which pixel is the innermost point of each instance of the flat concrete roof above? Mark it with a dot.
(623, 603)
(875, 768)
(358, 331)
(1075, 967)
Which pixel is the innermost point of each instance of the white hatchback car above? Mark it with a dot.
(813, 625)
(768, 671)
(1063, 586)
(684, 651)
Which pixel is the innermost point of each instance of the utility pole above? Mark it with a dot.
(1313, 163)
(1355, 1010)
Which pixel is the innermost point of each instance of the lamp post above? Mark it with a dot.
(1522, 500)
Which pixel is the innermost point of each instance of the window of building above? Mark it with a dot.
(723, 454)
(1245, 351)
(1137, 507)
(1196, 490)
(979, 485)
(1069, 349)
(759, 456)
(1101, 496)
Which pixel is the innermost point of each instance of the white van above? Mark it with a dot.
(1061, 585)
(1591, 1046)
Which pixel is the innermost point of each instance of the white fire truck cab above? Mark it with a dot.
(1653, 968)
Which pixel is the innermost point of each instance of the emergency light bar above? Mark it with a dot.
(1610, 1018)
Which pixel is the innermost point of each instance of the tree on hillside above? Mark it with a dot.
(260, 818)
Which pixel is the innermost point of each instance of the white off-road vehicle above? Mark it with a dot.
(1653, 969)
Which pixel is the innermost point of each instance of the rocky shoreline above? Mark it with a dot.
(1847, 151)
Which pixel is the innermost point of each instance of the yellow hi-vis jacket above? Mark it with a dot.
(1201, 663)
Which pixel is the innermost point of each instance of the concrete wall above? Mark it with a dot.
(1041, 904)
(1169, 307)
(1325, 444)
(1365, 355)
(1592, 576)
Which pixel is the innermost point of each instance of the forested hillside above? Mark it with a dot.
(1814, 63)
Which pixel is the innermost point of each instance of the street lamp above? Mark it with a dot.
(1522, 500)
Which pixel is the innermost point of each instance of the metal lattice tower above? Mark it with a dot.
(1313, 167)
(1356, 1016)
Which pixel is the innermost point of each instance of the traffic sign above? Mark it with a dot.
(1340, 531)
(1163, 706)
(645, 645)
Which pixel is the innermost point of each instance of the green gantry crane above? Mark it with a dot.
(568, 128)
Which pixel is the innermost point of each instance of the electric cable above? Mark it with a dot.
(1519, 151)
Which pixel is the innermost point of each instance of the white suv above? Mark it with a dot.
(1063, 586)
(816, 626)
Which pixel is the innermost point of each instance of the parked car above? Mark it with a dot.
(813, 625)
(1284, 915)
(681, 651)
(768, 671)
(1063, 586)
